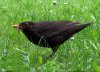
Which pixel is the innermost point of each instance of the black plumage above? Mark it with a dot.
(50, 34)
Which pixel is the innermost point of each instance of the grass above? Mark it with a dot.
(17, 54)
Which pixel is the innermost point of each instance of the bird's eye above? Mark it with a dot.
(26, 23)
(19, 27)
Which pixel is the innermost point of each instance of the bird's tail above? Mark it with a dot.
(78, 27)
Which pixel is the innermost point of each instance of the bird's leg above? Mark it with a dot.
(51, 54)
(54, 51)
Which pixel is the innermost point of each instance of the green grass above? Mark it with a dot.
(17, 54)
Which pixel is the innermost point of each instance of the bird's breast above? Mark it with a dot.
(36, 38)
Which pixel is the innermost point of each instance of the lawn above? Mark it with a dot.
(82, 53)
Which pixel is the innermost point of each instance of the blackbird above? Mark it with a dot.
(50, 34)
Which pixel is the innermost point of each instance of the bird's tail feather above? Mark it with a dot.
(78, 27)
(82, 26)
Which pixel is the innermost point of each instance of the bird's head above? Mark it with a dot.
(23, 26)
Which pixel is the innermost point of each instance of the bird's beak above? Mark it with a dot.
(16, 26)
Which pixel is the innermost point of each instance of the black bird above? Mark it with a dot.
(50, 34)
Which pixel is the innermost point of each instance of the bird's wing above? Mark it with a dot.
(49, 29)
